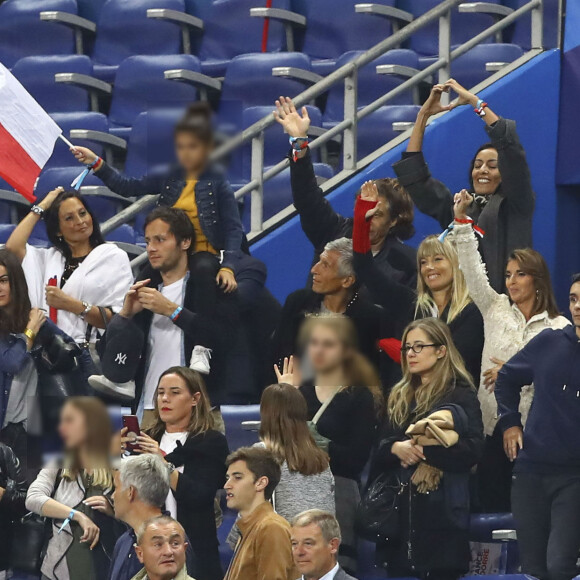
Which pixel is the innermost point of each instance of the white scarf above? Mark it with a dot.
(102, 279)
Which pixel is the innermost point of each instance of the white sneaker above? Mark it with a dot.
(200, 359)
(123, 391)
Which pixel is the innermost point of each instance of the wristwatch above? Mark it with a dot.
(37, 210)
(87, 309)
(170, 467)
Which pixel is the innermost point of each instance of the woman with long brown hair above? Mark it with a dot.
(432, 541)
(511, 321)
(76, 495)
(184, 436)
(344, 401)
(306, 481)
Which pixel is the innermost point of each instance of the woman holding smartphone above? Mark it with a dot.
(184, 436)
(499, 181)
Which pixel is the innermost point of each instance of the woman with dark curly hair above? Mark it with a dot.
(81, 279)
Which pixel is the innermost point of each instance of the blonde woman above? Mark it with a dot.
(306, 482)
(441, 288)
(511, 321)
(345, 383)
(76, 497)
(433, 540)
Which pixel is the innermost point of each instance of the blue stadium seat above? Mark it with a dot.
(36, 73)
(233, 416)
(22, 33)
(140, 86)
(90, 9)
(151, 142)
(229, 31)
(278, 193)
(377, 128)
(469, 69)
(124, 30)
(124, 233)
(249, 81)
(61, 156)
(5, 232)
(464, 26)
(334, 28)
(521, 28)
(371, 85)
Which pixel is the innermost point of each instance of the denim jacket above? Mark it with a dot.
(13, 357)
(218, 211)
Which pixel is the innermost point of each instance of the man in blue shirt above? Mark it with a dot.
(546, 480)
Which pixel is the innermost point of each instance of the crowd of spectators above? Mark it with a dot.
(447, 371)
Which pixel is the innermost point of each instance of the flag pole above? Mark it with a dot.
(67, 141)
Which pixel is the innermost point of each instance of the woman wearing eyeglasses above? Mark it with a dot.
(432, 541)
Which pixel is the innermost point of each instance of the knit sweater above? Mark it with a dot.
(505, 327)
(552, 434)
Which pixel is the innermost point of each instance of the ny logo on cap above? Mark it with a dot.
(121, 358)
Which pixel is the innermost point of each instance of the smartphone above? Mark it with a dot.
(131, 422)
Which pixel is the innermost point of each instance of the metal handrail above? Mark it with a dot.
(348, 127)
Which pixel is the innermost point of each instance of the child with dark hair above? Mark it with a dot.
(200, 189)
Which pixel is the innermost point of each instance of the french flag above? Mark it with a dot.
(27, 135)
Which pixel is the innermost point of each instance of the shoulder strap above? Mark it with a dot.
(324, 406)
(103, 314)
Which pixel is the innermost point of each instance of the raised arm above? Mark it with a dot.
(18, 239)
(115, 181)
(470, 260)
(319, 221)
(430, 196)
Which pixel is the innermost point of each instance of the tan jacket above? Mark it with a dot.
(264, 551)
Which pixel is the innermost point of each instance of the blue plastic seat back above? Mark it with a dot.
(6, 231)
(90, 9)
(141, 86)
(22, 33)
(377, 128)
(124, 30)
(371, 86)
(233, 416)
(464, 26)
(469, 69)
(229, 30)
(36, 73)
(333, 27)
(151, 142)
(521, 29)
(124, 233)
(276, 145)
(249, 81)
(61, 156)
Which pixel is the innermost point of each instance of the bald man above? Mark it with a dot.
(161, 549)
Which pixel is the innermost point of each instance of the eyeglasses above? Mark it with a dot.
(416, 348)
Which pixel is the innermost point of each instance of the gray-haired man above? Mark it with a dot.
(315, 542)
(141, 487)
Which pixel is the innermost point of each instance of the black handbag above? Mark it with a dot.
(378, 516)
(59, 377)
(30, 538)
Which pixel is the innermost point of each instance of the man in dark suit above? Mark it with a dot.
(315, 543)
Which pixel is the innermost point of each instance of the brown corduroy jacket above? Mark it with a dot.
(264, 551)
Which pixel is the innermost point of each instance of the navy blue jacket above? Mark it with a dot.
(551, 438)
(13, 357)
(218, 211)
(125, 563)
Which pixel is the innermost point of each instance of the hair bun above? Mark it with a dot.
(198, 109)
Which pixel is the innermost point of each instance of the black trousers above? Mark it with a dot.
(494, 474)
(546, 510)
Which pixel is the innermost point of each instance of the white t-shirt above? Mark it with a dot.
(165, 344)
(167, 444)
